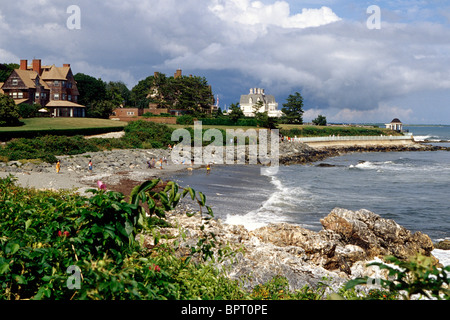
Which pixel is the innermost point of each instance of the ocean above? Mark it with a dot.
(411, 188)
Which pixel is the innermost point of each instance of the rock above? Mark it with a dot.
(349, 240)
(443, 245)
(377, 236)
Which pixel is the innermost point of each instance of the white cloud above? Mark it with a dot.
(246, 12)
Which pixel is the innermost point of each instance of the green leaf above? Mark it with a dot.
(355, 282)
(4, 267)
(28, 224)
(12, 248)
(128, 227)
(202, 198)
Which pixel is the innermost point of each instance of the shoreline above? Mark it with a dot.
(302, 255)
(129, 166)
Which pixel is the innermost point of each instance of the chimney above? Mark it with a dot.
(178, 74)
(23, 64)
(251, 90)
(66, 65)
(37, 66)
(156, 74)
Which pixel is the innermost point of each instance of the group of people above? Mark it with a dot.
(156, 164)
(151, 164)
(58, 166)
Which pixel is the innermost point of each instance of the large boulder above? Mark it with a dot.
(377, 236)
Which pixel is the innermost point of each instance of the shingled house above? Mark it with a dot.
(269, 105)
(52, 87)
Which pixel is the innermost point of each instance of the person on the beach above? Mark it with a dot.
(160, 163)
(208, 168)
(58, 166)
(90, 165)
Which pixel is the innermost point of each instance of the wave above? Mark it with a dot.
(430, 138)
(283, 199)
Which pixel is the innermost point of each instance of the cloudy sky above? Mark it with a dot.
(349, 63)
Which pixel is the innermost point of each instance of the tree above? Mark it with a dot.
(90, 88)
(236, 112)
(28, 110)
(320, 120)
(191, 94)
(9, 112)
(100, 109)
(262, 118)
(6, 70)
(118, 93)
(293, 109)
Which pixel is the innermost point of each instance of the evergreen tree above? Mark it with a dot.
(293, 109)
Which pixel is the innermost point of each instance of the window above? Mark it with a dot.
(15, 82)
(130, 113)
(56, 83)
(37, 95)
(14, 95)
(56, 96)
(20, 95)
(64, 97)
(69, 97)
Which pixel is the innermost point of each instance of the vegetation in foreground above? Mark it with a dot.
(62, 246)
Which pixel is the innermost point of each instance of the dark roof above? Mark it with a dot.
(396, 121)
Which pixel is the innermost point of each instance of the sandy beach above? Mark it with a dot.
(120, 179)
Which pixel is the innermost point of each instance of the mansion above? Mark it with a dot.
(54, 88)
(248, 101)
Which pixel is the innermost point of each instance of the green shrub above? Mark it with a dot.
(185, 120)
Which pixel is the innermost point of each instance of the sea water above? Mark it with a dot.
(412, 188)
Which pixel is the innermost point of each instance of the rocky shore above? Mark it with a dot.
(339, 252)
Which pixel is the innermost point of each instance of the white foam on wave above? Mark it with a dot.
(442, 255)
(272, 210)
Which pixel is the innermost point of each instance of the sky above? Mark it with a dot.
(352, 61)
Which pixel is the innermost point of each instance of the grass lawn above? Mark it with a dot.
(63, 123)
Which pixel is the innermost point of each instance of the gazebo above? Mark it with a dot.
(395, 125)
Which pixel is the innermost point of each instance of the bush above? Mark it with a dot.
(96, 237)
(138, 134)
(185, 120)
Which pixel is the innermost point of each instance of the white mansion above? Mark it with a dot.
(248, 101)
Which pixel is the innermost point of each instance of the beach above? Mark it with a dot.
(122, 169)
(256, 211)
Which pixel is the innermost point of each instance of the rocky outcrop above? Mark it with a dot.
(348, 241)
(300, 153)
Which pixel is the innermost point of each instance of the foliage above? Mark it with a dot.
(47, 147)
(90, 88)
(185, 119)
(236, 112)
(9, 112)
(118, 93)
(44, 233)
(138, 134)
(153, 135)
(191, 94)
(227, 121)
(6, 70)
(28, 110)
(314, 131)
(100, 109)
(417, 275)
(293, 109)
(320, 120)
